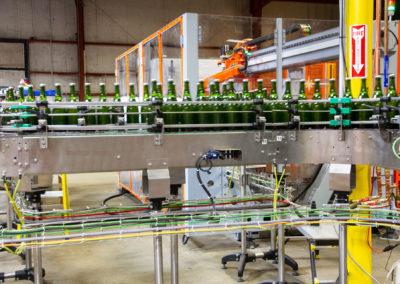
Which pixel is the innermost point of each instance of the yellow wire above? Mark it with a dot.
(277, 183)
(16, 188)
(13, 203)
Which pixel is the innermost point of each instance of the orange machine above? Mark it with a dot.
(234, 62)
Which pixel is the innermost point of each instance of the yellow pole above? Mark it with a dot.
(360, 12)
(65, 192)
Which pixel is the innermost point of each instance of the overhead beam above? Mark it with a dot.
(81, 47)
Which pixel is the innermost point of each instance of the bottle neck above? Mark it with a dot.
(302, 88)
(287, 88)
(347, 86)
(316, 87)
(21, 96)
(378, 84)
(392, 85)
(273, 87)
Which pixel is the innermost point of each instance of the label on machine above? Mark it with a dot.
(358, 51)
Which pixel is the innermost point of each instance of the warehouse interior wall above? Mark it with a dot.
(111, 27)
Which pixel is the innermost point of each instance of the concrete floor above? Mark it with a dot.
(131, 260)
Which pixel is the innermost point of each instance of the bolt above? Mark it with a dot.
(35, 160)
(165, 163)
(370, 137)
(149, 164)
(333, 158)
(6, 145)
(26, 164)
(193, 154)
(19, 149)
(118, 156)
(348, 159)
(262, 151)
(19, 164)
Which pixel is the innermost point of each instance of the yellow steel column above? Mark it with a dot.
(360, 12)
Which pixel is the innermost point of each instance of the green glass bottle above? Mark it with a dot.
(248, 115)
(378, 91)
(318, 108)
(273, 116)
(21, 97)
(201, 117)
(187, 118)
(146, 118)
(332, 94)
(89, 119)
(43, 97)
(285, 117)
(393, 94)
(73, 119)
(12, 109)
(348, 94)
(362, 113)
(217, 87)
(103, 119)
(217, 116)
(132, 118)
(31, 110)
(160, 96)
(170, 118)
(154, 90)
(59, 120)
(303, 108)
(117, 111)
(23, 109)
(232, 116)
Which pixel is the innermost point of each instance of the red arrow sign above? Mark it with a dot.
(358, 51)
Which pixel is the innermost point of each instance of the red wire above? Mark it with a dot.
(142, 209)
(374, 250)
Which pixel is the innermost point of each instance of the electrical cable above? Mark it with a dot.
(122, 193)
(208, 171)
(372, 277)
(13, 202)
(391, 271)
(394, 147)
(309, 186)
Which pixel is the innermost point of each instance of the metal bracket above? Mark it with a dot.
(341, 135)
(293, 136)
(158, 139)
(43, 142)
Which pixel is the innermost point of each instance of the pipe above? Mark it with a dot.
(379, 180)
(174, 260)
(281, 253)
(243, 186)
(342, 37)
(342, 253)
(388, 186)
(386, 49)
(377, 38)
(38, 271)
(81, 47)
(158, 260)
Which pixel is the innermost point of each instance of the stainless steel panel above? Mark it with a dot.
(121, 152)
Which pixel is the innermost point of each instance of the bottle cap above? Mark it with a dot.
(392, 75)
(87, 84)
(273, 80)
(131, 84)
(259, 80)
(102, 84)
(216, 80)
(332, 79)
(169, 80)
(116, 84)
(146, 84)
(288, 80)
(57, 84)
(302, 80)
(245, 80)
(42, 85)
(378, 76)
(71, 84)
(317, 80)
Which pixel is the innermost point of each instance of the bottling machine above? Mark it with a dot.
(155, 160)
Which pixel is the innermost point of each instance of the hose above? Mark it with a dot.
(123, 192)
